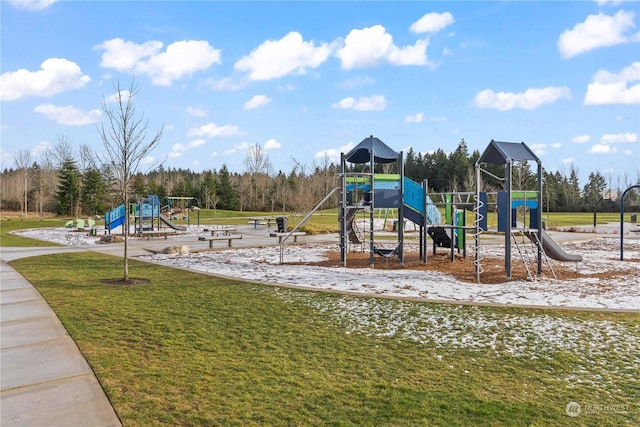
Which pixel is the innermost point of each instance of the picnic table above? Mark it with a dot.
(261, 220)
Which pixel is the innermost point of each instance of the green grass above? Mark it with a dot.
(7, 225)
(189, 349)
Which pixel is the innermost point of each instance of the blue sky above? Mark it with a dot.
(308, 80)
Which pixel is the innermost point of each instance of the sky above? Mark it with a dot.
(308, 80)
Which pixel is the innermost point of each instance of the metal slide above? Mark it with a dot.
(552, 249)
(171, 224)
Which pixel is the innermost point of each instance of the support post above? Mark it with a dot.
(622, 220)
(507, 233)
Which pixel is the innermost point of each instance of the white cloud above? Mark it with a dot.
(580, 139)
(349, 84)
(432, 23)
(272, 144)
(197, 143)
(180, 59)
(56, 75)
(277, 58)
(228, 83)
(196, 112)
(556, 145)
(364, 103)
(370, 46)
(597, 31)
(607, 142)
(613, 138)
(528, 100)
(256, 102)
(211, 130)
(125, 95)
(148, 160)
(178, 149)
(333, 154)
(414, 118)
(601, 149)
(609, 88)
(568, 160)
(68, 115)
(32, 4)
(539, 149)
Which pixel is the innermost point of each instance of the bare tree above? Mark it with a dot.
(23, 161)
(125, 147)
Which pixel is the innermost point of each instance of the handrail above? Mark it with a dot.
(284, 239)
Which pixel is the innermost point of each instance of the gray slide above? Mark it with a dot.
(553, 249)
(168, 222)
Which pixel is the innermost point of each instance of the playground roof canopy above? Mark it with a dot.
(361, 153)
(498, 153)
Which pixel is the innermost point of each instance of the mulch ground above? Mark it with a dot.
(461, 268)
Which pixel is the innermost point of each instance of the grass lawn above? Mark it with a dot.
(189, 349)
(7, 225)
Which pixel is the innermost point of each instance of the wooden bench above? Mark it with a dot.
(222, 231)
(155, 233)
(212, 239)
(281, 236)
(266, 220)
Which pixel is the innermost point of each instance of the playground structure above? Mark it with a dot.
(146, 214)
(519, 211)
(512, 205)
(367, 191)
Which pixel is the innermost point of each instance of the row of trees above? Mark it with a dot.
(71, 184)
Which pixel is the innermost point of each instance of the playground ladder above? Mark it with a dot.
(522, 256)
(544, 254)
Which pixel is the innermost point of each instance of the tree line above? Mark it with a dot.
(69, 182)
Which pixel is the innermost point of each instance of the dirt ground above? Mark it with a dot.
(461, 268)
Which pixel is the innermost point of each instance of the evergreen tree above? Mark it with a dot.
(227, 193)
(94, 193)
(592, 191)
(68, 192)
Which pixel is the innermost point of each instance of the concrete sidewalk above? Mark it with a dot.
(44, 379)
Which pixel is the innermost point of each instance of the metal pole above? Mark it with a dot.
(539, 217)
(477, 222)
(371, 208)
(507, 234)
(622, 220)
(401, 212)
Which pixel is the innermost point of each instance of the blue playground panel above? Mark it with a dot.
(503, 212)
(414, 198)
(148, 210)
(115, 217)
(387, 196)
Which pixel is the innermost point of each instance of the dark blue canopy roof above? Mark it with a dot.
(498, 153)
(361, 153)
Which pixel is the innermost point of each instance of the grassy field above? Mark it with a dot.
(188, 349)
(7, 225)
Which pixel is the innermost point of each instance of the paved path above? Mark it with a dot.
(44, 379)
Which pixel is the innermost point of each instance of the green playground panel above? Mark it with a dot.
(524, 195)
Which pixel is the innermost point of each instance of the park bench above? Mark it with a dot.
(221, 231)
(155, 233)
(268, 221)
(229, 238)
(281, 236)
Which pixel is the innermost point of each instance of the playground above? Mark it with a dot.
(600, 281)
(437, 255)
